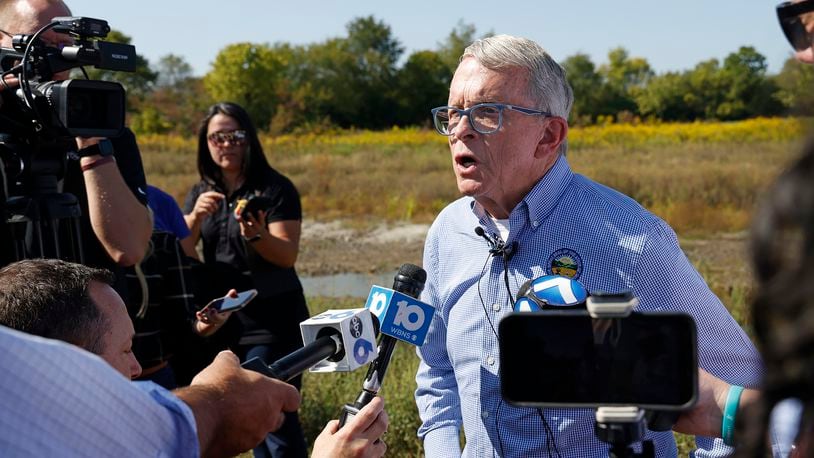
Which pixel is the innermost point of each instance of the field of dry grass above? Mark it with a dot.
(703, 179)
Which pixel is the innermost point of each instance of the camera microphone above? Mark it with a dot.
(336, 341)
(402, 317)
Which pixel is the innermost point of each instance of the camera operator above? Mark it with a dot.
(107, 179)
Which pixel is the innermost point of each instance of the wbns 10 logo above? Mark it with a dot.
(400, 315)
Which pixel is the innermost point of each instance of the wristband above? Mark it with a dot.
(253, 238)
(97, 163)
(733, 398)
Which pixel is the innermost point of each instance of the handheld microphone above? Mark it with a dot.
(336, 341)
(550, 292)
(401, 317)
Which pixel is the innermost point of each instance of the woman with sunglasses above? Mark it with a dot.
(259, 246)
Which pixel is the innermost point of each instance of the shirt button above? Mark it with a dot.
(490, 360)
(484, 414)
(496, 307)
(535, 223)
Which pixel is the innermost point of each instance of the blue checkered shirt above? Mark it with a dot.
(56, 400)
(616, 245)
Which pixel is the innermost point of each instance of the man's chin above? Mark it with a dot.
(468, 188)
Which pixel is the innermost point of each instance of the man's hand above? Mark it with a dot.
(235, 408)
(360, 437)
(705, 418)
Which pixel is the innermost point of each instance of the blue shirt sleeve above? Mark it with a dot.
(167, 214)
(59, 400)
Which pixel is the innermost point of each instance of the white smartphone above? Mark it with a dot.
(231, 304)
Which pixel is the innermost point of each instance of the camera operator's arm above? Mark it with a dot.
(235, 408)
(120, 222)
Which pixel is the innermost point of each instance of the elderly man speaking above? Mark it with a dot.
(506, 123)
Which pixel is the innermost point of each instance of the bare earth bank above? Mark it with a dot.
(338, 247)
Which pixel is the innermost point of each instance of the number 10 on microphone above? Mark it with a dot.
(400, 315)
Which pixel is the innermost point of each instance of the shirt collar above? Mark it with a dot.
(538, 204)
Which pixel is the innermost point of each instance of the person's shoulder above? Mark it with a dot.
(272, 181)
(157, 194)
(455, 213)
(610, 202)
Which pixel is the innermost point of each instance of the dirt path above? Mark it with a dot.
(337, 247)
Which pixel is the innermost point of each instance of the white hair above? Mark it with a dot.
(547, 84)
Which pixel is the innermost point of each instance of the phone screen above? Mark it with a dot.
(226, 304)
(568, 359)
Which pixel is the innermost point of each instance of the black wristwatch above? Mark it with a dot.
(104, 148)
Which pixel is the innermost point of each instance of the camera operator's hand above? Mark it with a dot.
(360, 437)
(235, 408)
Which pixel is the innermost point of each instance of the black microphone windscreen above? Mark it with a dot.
(410, 280)
(479, 231)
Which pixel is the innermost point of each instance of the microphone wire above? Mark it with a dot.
(506, 257)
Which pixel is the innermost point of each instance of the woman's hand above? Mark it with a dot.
(207, 204)
(253, 225)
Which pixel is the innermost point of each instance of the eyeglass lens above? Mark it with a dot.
(485, 119)
(235, 137)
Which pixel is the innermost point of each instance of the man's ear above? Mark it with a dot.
(554, 134)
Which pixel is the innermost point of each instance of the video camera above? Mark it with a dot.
(76, 108)
(565, 349)
(40, 119)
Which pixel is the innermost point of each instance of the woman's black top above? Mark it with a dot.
(236, 265)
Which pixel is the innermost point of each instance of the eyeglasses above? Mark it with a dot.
(485, 118)
(235, 137)
(793, 17)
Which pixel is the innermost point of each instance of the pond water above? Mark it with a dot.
(348, 284)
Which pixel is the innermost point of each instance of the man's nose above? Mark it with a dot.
(464, 128)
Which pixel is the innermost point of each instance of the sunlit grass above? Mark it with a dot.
(704, 179)
(700, 177)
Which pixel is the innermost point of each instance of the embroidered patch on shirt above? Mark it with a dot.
(565, 262)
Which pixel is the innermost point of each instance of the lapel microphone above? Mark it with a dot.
(498, 247)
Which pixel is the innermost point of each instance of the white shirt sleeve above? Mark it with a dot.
(59, 400)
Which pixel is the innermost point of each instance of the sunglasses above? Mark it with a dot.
(790, 15)
(234, 137)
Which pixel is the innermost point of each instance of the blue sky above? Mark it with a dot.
(671, 35)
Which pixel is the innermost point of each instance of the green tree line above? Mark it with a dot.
(364, 80)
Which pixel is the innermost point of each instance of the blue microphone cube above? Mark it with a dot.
(400, 315)
(552, 291)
